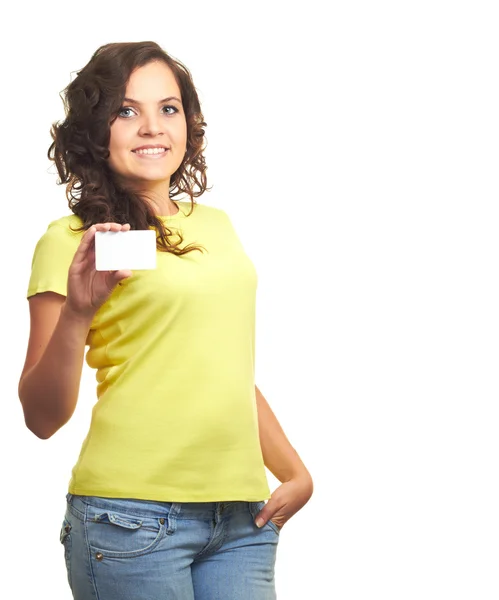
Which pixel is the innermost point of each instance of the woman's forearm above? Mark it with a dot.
(49, 390)
(279, 455)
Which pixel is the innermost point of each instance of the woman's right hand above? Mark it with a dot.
(88, 288)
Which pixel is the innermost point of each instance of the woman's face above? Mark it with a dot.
(151, 117)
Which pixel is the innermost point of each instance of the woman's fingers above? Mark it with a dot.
(87, 288)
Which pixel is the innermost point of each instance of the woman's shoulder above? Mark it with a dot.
(65, 229)
(67, 222)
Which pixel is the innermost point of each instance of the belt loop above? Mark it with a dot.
(175, 510)
(69, 497)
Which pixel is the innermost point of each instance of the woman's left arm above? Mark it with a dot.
(283, 462)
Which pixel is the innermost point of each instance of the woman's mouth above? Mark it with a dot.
(153, 153)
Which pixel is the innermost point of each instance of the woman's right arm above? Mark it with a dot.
(50, 380)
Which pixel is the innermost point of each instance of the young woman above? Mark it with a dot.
(167, 497)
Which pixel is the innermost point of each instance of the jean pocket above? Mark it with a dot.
(115, 534)
(256, 507)
(65, 539)
(274, 527)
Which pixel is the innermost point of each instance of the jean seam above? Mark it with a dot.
(75, 512)
(66, 542)
(89, 556)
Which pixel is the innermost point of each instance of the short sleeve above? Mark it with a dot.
(52, 258)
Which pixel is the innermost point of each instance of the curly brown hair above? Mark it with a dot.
(92, 102)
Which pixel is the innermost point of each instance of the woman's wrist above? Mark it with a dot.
(69, 313)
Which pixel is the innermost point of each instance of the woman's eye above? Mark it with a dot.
(122, 110)
(174, 109)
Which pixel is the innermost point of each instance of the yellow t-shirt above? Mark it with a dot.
(174, 352)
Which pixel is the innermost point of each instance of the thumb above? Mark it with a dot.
(264, 515)
(120, 275)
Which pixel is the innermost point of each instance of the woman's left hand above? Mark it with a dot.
(286, 500)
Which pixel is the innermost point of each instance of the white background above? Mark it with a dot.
(355, 148)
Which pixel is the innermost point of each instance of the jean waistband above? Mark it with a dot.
(156, 509)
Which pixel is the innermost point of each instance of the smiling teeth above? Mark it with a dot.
(151, 151)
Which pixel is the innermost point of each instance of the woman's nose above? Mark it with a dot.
(150, 125)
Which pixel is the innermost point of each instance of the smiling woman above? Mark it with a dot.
(149, 138)
(168, 496)
(131, 98)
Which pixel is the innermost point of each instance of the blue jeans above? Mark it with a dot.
(125, 549)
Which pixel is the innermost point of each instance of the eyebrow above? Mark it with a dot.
(169, 99)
